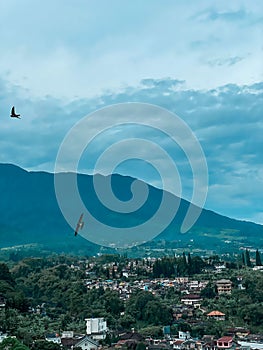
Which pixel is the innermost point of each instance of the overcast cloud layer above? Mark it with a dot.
(61, 60)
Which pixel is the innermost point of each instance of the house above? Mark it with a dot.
(69, 343)
(53, 337)
(189, 344)
(184, 335)
(159, 346)
(224, 286)
(220, 267)
(84, 342)
(216, 315)
(209, 342)
(177, 344)
(68, 340)
(96, 328)
(239, 332)
(181, 280)
(129, 339)
(67, 334)
(192, 299)
(224, 342)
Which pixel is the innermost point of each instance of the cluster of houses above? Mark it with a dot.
(207, 342)
(190, 292)
(190, 301)
(191, 288)
(238, 339)
(96, 330)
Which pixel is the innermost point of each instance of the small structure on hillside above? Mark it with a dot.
(216, 315)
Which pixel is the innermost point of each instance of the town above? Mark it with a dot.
(112, 301)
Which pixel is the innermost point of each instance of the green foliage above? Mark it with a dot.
(168, 267)
(243, 259)
(112, 303)
(208, 292)
(253, 314)
(197, 265)
(127, 321)
(152, 331)
(140, 346)
(5, 274)
(247, 258)
(143, 306)
(254, 287)
(12, 344)
(258, 259)
(215, 328)
(45, 345)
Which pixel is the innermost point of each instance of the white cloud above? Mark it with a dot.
(71, 58)
(82, 50)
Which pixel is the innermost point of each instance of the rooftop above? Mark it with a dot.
(215, 313)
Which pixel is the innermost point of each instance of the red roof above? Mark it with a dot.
(215, 313)
(178, 342)
(225, 339)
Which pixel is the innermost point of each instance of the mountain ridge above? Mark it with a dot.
(30, 213)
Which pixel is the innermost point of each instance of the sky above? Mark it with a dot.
(201, 60)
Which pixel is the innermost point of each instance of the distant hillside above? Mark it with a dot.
(30, 214)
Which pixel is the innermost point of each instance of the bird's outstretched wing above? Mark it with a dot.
(13, 113)
(80, 224)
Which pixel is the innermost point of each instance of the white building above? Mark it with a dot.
(184, 335)
(96, 328)
(67, 334)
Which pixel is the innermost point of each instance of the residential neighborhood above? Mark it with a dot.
(184, 302)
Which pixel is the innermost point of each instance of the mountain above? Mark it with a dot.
(30, 214)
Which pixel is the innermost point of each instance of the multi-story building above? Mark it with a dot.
(96, 328)
(224, 286)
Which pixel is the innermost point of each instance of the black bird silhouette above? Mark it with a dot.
(80, 225)
(13, 113)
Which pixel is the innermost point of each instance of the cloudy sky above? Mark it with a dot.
(62, 60)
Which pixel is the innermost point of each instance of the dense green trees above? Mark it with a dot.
(258, 259)
(44, 345)
(254, 287)
(247, 258)
(208, 292)
(5, 274)
(164, 267)
(181, 266)
(10, 291)
(148, 309)
(12, 344)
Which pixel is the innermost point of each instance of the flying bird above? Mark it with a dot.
(80, 225)
(13, 113)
